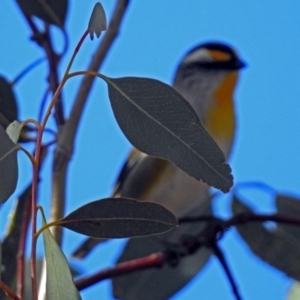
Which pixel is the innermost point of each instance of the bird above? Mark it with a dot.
(206, 77)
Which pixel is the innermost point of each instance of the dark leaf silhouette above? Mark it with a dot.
(12, 240)
(119, 218)
(157, 120)
(289, 206)
(50, 11)
(163, 282)
(10, 244)
(269, 245)
(8, 166)
(8, 104)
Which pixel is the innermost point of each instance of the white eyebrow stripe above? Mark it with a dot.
(200, 55)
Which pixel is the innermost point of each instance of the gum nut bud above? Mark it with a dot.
(97, 22)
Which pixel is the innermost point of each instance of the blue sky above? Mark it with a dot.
(154, 36)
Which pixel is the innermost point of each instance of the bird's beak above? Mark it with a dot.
(239, 64)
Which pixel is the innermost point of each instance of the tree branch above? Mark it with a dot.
(209, 237)
(152, 261)
(219, 254)
(8, 291)
(43, 39)
(243, 218)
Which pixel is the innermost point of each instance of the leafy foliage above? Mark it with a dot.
(8, 166)
(50, 11)
(160, 122)
(59, 282)
(289, 206)
(8, 103)
(119, 218)
(157, 120)
(270, 245)
(11, 242)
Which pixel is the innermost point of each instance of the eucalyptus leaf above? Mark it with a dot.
(294, 292)
(8, 103)
(163, 282)
(119, 218)
(59, 282)
(289, 206)
(11, 242)
(271, 246)
(8, 166)
(50, 11)
(157, 120)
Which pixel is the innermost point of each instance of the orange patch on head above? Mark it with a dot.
(219, 55)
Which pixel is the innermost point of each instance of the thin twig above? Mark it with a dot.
(54, 59)
(241, 218)
(45, 42)
(71, 127)
(8, 291)
(219, 254)
(193, 219)
(24, 232)
(22, 246)
(246, 217)
(152, 261)
(66, 136)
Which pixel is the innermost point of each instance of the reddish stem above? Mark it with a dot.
(21, 252)
(81, 41)
(34, 212)
(36, 174)
(154, 260)
(8, 291)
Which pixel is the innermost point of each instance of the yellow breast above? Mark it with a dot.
(220, 117)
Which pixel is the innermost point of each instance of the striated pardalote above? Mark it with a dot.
(206, 77)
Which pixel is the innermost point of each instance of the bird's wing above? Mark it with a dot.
(138, 174)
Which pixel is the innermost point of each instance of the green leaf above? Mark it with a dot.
(157, 120)
(14, 130)
(163, 282)
(294, 292)
(8, 103)
(8, 166)
(97, 22)
(59, 282)
(272, 246)
(50, 11)
(119, 218)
